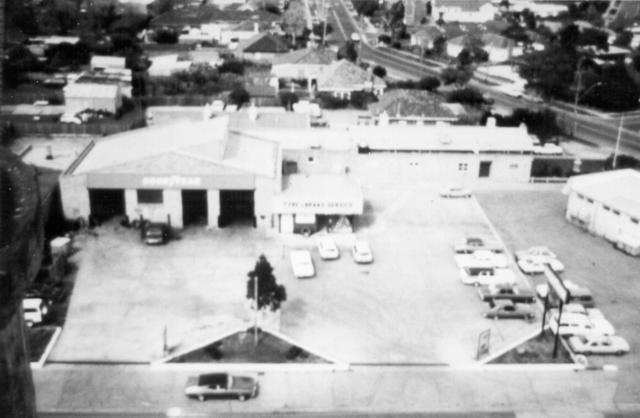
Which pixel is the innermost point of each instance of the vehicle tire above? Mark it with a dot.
(242, 398)
(619, 353)
(587, 353)
(201, 398)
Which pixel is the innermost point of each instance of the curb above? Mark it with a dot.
(47, 351)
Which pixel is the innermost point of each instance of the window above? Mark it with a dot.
(607, 208)
(463, 166)
(589, 200)
(150, 196)
(311, 159)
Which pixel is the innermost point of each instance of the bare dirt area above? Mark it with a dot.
(534, 215)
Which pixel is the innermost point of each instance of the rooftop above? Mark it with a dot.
(619, 189)
(325, 189)
(91, 90)
(347, 75)
(320, 56)
(264, 43)
(271, 118)
(410, 103)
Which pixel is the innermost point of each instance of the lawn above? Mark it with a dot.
(539, 349)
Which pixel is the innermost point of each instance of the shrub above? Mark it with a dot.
(466, 95)
(428, 83)
(329, 101)
(379, 71)
(166, 36)
(287, 99)
(361, 99)
(239, 96)
(233, 66)
(293, 352)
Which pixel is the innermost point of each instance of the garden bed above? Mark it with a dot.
(537, 350)
(39, 340)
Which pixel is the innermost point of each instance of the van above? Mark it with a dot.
(35, 310)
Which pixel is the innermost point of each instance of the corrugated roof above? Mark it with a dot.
(319, 56)
(91, 90)
(306, 138)
(267, 119)
(455, 138)
(179, 146)
(619, 189)
(344, 74)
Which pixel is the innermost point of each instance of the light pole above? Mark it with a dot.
(579, 96)
(615, 152)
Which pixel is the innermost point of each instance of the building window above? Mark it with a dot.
(311, 159)
(589, 200)
(150, 196)
(463, 166)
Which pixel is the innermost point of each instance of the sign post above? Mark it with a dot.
(560, 291)
(484, 339)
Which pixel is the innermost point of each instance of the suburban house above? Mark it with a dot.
(165, 65)
(121, 77)
(343, 77)
(244, 30)
(499, 48)
(606, 204)
(94, 96)
(306, 63)
(411, 107)
(261, 47)
(425, 36)
(467, 11)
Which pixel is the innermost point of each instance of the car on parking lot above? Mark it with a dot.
(575, 324)
(302, 264)
(506, 309)
(482, 258)
(469, 245)
(361, 252)
(577, 294)
(328, 249)
(455, 191)
(593, 344)
(515, 294)
(536, 251)
(535, 265)
(486, 276)
(35, 310)
(595, 316)
(221, 385)
(156, 233)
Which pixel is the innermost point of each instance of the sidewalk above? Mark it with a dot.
(120, 389)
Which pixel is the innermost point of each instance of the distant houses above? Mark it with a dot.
(343, 77)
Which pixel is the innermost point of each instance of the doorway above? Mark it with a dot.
(236, 207)
(485, 169)
(106, 203)
(194, 207)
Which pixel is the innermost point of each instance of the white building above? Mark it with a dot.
(95, 96)
(469, 11)
(606, 204)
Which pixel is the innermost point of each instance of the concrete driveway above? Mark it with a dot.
(409, 306)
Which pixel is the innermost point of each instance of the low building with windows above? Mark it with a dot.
(606, 204)
(455, 153)
(94, 96)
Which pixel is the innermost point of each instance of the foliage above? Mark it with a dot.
(543, 123)
(456, 75)
(288, 99)
(329, 101)
(19, 60)
(427, 83)
(395, 19)
(158, 7)
(294, 19)
(318, 29)
(269, 293)
(623, 39)
(362, 99)
(348, 51)
(467, 95)
(385, 39)
(622, 161)
(233, 66)
(239, 96)
(617, 92)
(379, 71)
(166, 36)
(366, 7)
(67, 55)
(595, 37)
(200, 79)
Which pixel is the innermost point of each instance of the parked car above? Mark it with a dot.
(35, 310)
(455, 191)
(536, 251)
(515, 294)
(535, 265)
(487, 276)
(70, 117)
(595, 316)
(469, 245)
(361, 252)
(509, 310)
(156, 233)
(482, 258)
(575, 324)
(328, 249)
(221, 385)
(302, 264)
(592, 344)
(577, 294)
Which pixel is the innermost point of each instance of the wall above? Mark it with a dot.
(75, 196)
(323, 161)
(213, 208)
(263, 195)
(601, 221)
(77, 104)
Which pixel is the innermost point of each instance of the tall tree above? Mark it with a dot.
(294, 19)
(262, 283)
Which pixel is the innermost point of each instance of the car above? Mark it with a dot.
(328, 249)
(510, 310)
(536, 251)
(594, 315)
(577, 294)
(592, 344)
(361, 252)
(302, 264)
(70, 117)
(575, 324)
(482, 258)
(536, 265)
(487, 276)
(548, 149)
(35, 310)
(515, 294)
(455, 191)
(221, 385)
(156, 233)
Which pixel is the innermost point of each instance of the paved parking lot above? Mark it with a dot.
(407, 307)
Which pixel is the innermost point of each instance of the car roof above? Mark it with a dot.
(212, 378)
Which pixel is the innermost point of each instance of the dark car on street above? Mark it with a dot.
(221, 386)
(156, 233)
(510, 310)
(504, 292)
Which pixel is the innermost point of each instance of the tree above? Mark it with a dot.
(348, 51)
(456, 75)
(595, 37)
(622, 161)
(239, 96)
(623, 39)
(262, 281)
(294, 19)
(166, 36)
(288, 99)
(366, 7)
(428, 83)
(158, 7)
(466, 95)
(379, 71)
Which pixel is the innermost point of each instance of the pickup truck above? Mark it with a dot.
(501, 292)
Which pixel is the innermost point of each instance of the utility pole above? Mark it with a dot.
(255, 316)
(615, 153)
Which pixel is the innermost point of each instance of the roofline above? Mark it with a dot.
(72, 167)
